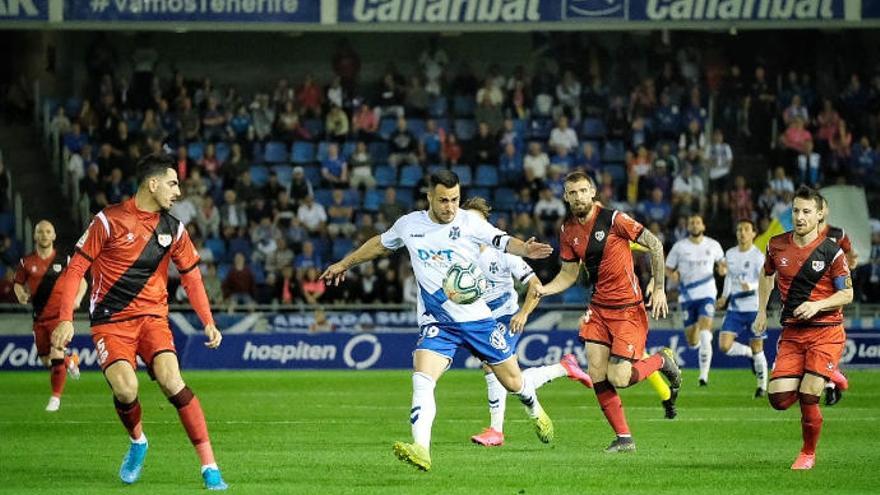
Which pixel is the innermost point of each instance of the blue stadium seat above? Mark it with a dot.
(223, 270)
(378, 151)
(341, 247)
(240, 245)
(463, 106)
(348, 149)
(406, 196)
(521, 126)
(72, 107)
(195, 150)
(222, 151)
(385, 175)
(312, 173)
(284, 173)
(258, 272)
(322, 151)
(465, 129)
(257, 152)
(614, 151)
(464, 174)
(315, 127)
(275, 152)
(540, 128)
(387, 125)
(443, 123)
(504, 200)
(617, 171)
(302, 152)
(438, 106)
(7, 224)
(410, 175)
(352, 197)
(372, 199)
(217, 247)
(483, 192)
(577, 294)
(416, 126)
(259, 175)
(324, 196)
(487, 176)
(593, 128)
(433, 169)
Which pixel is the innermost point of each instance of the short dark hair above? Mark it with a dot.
(154, 164)
(445, 178)
(477, 204)
(578, 175)
(810, 194)
(748, 221)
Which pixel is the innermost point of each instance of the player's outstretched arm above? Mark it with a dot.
(80, 293)
(529, 249)
(657, 298)
(369, 250)
(518, 322)
(566, 277)
(765, 287)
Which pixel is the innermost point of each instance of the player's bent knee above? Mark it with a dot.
(783, 400)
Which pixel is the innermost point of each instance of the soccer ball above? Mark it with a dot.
(464, 283)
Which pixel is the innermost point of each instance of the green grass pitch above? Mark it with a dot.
(313, 432)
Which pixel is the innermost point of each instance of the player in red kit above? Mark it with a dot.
(35, 282)
(128, 247)
(614, 337)
(814, 282)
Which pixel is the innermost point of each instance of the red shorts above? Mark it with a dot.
(624, 330)
(146, 337)
(43, 336)
(815, 350)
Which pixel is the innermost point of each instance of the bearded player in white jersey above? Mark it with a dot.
(500, 270)
(740, 296)
(436, 239)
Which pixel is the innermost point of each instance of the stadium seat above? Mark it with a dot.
(259, 175)
(72, 107)
(275, 152)
(504, 200)
(348, 149)
(410, 175)
(223, 270)
(463, 106)
(341, 247)
(416, 126)
(222, 151)
(576, 294)
(464, 174)
(385, 175)
(7, 224)
(217, 247)
(483, 192)
(240, 245)
(378, 151)
(593, 128)
(322, 151)
(540, 128)
(312, 173)
(324, 196)
(465, 129)
(487, 176)
(372, 199)
(195, 150)
(315, 127)
(257, 153)
(521, 127)
(387, 125)
(258, 272)
(438, 107)
(433, 169)
(617, 172)
(284, 173)
(406, 196)
(302, 152)
(614, 151)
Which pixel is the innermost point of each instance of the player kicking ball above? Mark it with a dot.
(128, 247)
(437, 239)
(35, 281)
(814, 284)
(500, 270)
(614, 337)
(691, 262)
(744, 264)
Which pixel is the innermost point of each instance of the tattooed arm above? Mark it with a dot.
(657, 297)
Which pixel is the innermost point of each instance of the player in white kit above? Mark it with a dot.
(436, 239)
(692, 262)
(500, 270)
(744, 262)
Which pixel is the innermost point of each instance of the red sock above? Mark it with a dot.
(611, 407)
(642, 369)
(193, 419)
(839, 380)
(130, 415)
(811, 422)
(58, 376)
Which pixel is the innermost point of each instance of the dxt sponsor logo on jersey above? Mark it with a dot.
(587, 9)
(431, 255)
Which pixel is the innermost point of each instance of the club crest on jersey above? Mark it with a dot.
(575, 241)
(164, 240)
(454, 233)
(493, 267)
(56, 267)
(818, 265)
(129, 237)
(599, 235)
(783, 261)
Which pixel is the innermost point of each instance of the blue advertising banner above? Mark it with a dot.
(299, 11)
(361, 351)
(531, 11)
(24, 10)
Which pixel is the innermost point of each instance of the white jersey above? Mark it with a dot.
(742, 268)
(433, 248)
(500, 270)
(695, 264)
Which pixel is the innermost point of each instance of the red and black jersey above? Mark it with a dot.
(129, 250)
(809, 273)
(40, 276)
(603, 245)
(839, 236)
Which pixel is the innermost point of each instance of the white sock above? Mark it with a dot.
(424, 408)
(830, 385)
(141, 439)
(497, 402)
(542, 375)
(209, 466)
(529, 397)
(761, 369)
(705, 354)
(739, 350)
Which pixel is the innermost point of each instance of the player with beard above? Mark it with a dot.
(35, 281)
(128, 247)
(614, 337)
(690, 263)
(814, 284)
